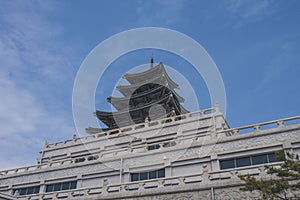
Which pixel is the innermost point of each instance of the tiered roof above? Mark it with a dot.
(146, 90)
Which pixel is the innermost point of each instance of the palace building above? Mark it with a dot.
(153, 148)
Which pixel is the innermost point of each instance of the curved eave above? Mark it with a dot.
(108, 117)
(121, 103)
(108, 114)
(179, 107)
(128, 90)
(152, 72)
(183, 110)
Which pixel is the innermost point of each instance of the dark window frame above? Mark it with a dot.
(25, 190)
(160, 173)
(271, 158)
(153, 147)
(59, 186)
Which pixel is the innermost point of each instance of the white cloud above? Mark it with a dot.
(35, 72)
(19, 110)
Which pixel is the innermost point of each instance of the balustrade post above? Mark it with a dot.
(262, 171)
(17, 193)
(181, 180)
(146, 147)
(46, 144)
(205, 174)
(130, 147)
(105, 186)
(161, 183)
(122, 187)
(235, 174)
(74, 138)
(235, 132)
(141, 186)
(49, 162)
(280, 123)
(70, 194)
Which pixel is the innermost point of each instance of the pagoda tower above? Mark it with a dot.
(150, 95)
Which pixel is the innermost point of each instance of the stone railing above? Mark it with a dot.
(200, 180)
(96, 157)
(137, 127)
(261, 126)
(142, 148)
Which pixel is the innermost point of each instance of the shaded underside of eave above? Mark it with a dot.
(133, 96)
(111, 123)
(161, 100)
(108, 118)
(123, 103)
(128, 90)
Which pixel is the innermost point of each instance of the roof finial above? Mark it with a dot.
(152, 61)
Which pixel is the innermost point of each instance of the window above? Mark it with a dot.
(241, 162)
(259, 159)
(78, 160)
(148, 175)
(93, 157)
(169, 144)
(152, 175)
(135, 177)
(61, 186)
(227, 164)
(153, 147)
(27, 190)
(272, 157)
(161, 173)
(144, 176)
(248, 160)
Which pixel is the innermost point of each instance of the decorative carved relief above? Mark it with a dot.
(234, 194)
(188, 196)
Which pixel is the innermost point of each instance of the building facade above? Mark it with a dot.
(174, 155)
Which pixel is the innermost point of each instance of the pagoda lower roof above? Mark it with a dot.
(109, 120)
(124, 115)
(156, 71)
(121, 103)
(164, 98)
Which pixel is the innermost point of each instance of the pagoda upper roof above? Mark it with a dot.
(156, 71)
(160, 79)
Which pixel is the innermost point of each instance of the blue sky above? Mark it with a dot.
(255, 45)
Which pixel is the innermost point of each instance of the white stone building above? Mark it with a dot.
(188, 155)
